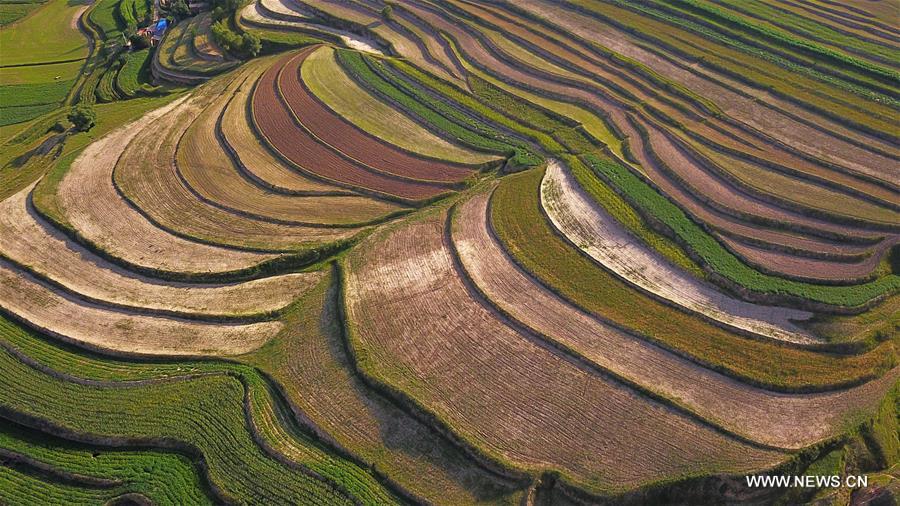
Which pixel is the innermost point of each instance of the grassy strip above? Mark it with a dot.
(133, 73)
(21, 488)
(209, 408)
(659, 37)
(575, 141)
(518, 221)
(437, 114)
(684, 21)
(165, 478)
(721, 261)
(786, 40)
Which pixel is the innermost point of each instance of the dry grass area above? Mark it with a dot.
(504, 392)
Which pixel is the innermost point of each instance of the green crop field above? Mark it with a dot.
(467, 252)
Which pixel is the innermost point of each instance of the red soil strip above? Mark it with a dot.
(809, 269)
(347, 138)
(293, 142)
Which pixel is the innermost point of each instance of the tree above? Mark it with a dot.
(250, 44)
(83, 117)
(180, 9)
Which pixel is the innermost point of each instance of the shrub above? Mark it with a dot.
(83, 117)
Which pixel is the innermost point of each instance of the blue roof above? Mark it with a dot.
(161, 25)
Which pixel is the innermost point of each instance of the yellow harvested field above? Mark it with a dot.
(120, 331)
(95, 209)
(54, 256)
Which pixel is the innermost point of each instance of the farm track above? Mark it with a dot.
(292, 141)
(785, 420)
(95, 210)
(590, 229)
(572, 415)
(54, 256)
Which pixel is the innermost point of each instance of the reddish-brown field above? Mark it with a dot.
(346, 138)
(292, 141)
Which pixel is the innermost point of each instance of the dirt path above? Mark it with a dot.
(598, 234)
(783, 420)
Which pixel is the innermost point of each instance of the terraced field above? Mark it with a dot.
(457, 252)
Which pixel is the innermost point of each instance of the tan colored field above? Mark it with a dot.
(464, 363)
(99, 214)
(120, 331)
(54, 256)
(777, 419)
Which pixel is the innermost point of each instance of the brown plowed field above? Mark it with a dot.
(811, 269)
(253, 157)
(53, 255)
(147, 176)
(345, 137)
(784, 420)
(210, 173)
(94, 208)
(502, 391)
(296, 144)
(116, 330)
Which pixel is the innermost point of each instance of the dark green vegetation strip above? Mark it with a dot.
(166, 478)
(211, 409)
(438, 114)
(719, 259)
(688, 20)
(529, 238)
